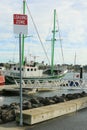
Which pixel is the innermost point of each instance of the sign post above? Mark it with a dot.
(20, 60)
(20, 27)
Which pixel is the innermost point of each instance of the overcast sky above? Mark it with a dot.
(72, 18)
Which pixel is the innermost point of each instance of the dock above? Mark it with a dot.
(3, 87)
(32, 88)
(37, 115)
(15, 90)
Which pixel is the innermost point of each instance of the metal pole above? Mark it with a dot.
(20, 59)
(23, 36)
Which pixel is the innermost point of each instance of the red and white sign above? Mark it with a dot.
(20, 22)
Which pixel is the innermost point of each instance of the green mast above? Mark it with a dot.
(23, 36)
(53, 42)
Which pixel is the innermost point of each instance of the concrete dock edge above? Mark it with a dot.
(36, 115)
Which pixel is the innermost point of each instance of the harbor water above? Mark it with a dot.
(10, 99)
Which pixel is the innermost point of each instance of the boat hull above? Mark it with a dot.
(11, 79)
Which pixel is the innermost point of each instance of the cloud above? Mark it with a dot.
(72, 22)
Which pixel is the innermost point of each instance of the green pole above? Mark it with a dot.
(23, 36)
(53, 42)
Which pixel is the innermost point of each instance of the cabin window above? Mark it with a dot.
(15, 68)
(31, 69)
(28, 69)
(35, 69)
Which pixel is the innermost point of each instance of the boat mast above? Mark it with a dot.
(23, 36)
(53, 42)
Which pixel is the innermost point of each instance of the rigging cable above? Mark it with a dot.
(60, 40)
(37, 33)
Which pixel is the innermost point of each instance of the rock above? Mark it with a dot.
(1, 121)
(54, 98)
(8, 116)
(25, 102)
(17, 107)
(27, 105)
(47, 101)
(13, 104)
(34, 101)
(59, 99)
(34, 105)
(4, 106)
(40, 105)
(0, 110)
(41, 100)
(83, 94)
(69, 96)
(77, 95)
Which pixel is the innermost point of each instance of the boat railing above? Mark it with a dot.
(55, 83)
